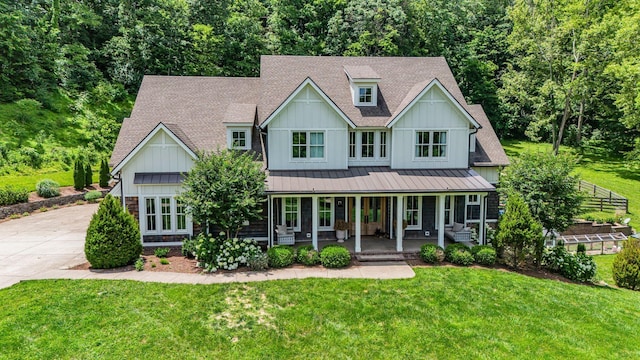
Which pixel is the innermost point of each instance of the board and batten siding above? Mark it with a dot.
(433, 112)
(160, 154)
(489, 173)
(307, 111)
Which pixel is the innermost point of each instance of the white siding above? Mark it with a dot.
(433, 112)
(489, 173)
(160, 154)
(307, 112)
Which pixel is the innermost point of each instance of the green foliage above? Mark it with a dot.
(225, 188)
(518, 231)
(10, 195)
(485, 256)
(78, 175)
(461, 257)
(188, 249)
(451, 248)
(335, 256)
(258, 262)
(221, 253)
(105, 176)
(139, 264)
(579, 267)
(88, 175)
(164, 261)
(48, 188)
(161, 252)
(626, 265)
(431, 253)
(280, 256)
(92, 195)
(307, 255)
(113, 236)
(581, 249)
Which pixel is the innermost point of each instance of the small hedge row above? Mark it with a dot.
(458, 254)
(332, 256)
(10, 195)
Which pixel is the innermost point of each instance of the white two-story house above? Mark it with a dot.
(388, 144)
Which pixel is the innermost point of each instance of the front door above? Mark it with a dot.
(372, 215)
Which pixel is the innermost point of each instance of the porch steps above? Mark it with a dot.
(380, 257)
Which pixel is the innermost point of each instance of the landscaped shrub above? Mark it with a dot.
(258, 262)
(486, 256)
(88, 175)
(105, 176)
(579, 267)
(582, 249)
(476, 249)
(189, 248)
(431, 253)
(222, 253)
(161, 252)
(139, 264)
(335, 256)
(92, 196)
(280, 256)
(48, 188)
(626, 265)
(113, 236)
(307, 255)
(10, 195)
(461, 257)
(450, 249)
(78, 175)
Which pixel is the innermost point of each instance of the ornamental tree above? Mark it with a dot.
(518, 230)
(547, 186)
(225, 189)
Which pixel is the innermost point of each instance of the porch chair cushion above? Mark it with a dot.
(281, 229)
(457, 227)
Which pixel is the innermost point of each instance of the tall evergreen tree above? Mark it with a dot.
(88, 174)
(104, 173)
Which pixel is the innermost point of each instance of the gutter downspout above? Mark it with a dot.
(119, 178)
(469, 143)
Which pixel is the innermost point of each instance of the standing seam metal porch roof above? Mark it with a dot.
(375, 180)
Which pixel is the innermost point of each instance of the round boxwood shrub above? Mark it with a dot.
(626, 265)
(280, 256)
(450, 249)
(113, 236)
(335, 256)
(48, 188)
(431, 253)
(486, 256)
(476, 249)
(462, 257)
(307, 255)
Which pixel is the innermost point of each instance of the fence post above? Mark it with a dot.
(594, 189)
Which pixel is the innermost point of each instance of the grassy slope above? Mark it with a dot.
(442, 313)
(606, 171)
(604, 264)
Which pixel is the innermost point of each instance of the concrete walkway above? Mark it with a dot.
(44, 245)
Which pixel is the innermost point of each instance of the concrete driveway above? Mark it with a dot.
(41, 242)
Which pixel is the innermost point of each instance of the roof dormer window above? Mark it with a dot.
(365, 95)
(363, 81)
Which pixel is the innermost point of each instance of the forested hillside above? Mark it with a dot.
(556, 71)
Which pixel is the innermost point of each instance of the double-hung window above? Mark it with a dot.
(150, 210)
(439, 148)
(164, 214)
(412, 212)
(308, 144)
(325, 213)
(431, 144)
(383, 144)
(352, 144)
(291, 213)
(422, 143)
(165, 209)
(473, 207)
(368, 144)
(365, 95)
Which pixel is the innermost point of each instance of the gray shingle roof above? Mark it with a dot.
(489, 151)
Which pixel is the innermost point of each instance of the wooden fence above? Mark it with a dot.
(601, 199)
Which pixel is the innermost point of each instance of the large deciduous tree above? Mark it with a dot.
(225, 189)
(547, 185)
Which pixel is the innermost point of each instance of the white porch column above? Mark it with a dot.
(314, 221)
(441, 199)
(358, 206)
(399, 218)
(483, 221)
(270, 220)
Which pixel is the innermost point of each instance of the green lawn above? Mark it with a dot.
(64, 178)
(604, 263)
(444, 312)
(605, 170)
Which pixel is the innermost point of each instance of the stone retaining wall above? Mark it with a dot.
(29, 207)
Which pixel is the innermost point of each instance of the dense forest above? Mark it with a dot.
(564, 72)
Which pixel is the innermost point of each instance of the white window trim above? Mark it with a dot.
(298, 212)
(247, 137)
(308, 158)
(158, 217)
(376, 145)
(419, 225)
(333, 213)
(365, 103)
(468, 203)
(431, 144)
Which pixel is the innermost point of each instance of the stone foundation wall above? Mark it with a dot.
(7, 211)
(163, 238)
(131, 203)
(589, 227)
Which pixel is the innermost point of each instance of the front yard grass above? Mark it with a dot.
(443, 312)
(604, 264)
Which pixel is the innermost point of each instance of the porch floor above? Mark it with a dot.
(376, 245)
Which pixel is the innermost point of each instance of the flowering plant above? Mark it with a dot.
(223, 253)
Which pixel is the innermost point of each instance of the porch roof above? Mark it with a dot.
(375, 180)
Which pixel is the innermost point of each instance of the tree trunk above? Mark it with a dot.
(580, 119)
(567, 102)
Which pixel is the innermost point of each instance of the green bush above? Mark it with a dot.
(258, 262)
(161, 252)
(188, 249)
(280, 256)
(48, 188)
(307, 255)
(222, 253)
(486, 256)
(139, 264)
(10, 195)
(92, 195)
(450, 249)
(105, 176)
(582, 249)
(88, 175)
(462, 257)
(78, 175)
(626, 265)
(113, 236)
(335, 256)
(476, 249)
(579, 267)
(431, 253)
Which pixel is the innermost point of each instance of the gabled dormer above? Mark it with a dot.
(239, 121)
(363, 81)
